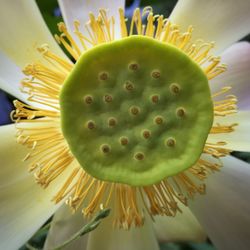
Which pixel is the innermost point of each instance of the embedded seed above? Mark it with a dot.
(180, 112)
(88, 99)
(129, 86)
(108, 98)
(146, 134)
(133, 66)
(134, 110)
(103, 76)
(158, 120)
(175, 88)
(90, 124)
(139, 156)
(105, 148)
(112, 122)
(170, 142)
(155, 98)
(124, 141)
(156, 74)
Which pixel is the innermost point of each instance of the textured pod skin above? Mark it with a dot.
(136, 84)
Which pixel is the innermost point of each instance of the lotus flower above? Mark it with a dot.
(131, 125)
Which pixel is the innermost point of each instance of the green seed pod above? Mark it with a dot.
(168, 96)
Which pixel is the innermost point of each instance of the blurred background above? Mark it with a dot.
(52, 15)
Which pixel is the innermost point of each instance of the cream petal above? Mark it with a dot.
(79, 10)
(224, 22)
(224, 210)
(10, 77)
(24, 206)
(239, 139)
(237, 58)
(23, 30)
(64, 225)
(183, 227)
(105, 237)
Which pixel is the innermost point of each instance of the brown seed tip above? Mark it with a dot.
(133, 66)
(158, 120)
(139, 156)
(156, 74)
(108, 98)
(146, 134)
(112, 122)
(170, 142)
(124, 141)
(155, 98)
(90, 124)
(175, 88)
(103, 76)
(105, 148)
(180, 112)
(88, 99)
(134, 110)
(129, 86)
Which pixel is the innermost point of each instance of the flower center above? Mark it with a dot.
(136, 111)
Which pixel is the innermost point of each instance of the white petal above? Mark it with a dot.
(10, 77)
(224, 22)
(105, 237)
(23, 30)
(79, 10)
(224, 210)
(64, 225)
(24, 206)
(239, 139)
(237, 58)
(183, 227)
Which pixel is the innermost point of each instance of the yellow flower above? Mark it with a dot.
(82, 169)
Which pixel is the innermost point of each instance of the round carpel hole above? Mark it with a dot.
(180, 112)
(170, 142)
(139, 156)
(105, 148)
(124, 140)
(134, 110)
(159, 120)
(129, 86)
(155, 99)
(88, 99)
(175, 88)
(103, 76)
(91, 125)
(108, 98)
(156, 74)
(133, 66)
(146, 134)
(115, 63)
(112, 122)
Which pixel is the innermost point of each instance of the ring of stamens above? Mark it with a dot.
(43, 136)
